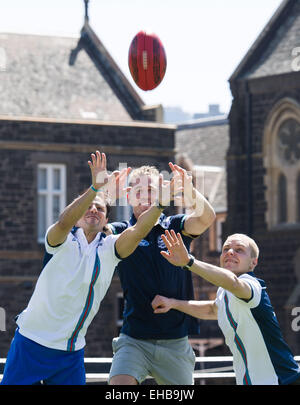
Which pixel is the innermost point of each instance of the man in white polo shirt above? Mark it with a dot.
(242, 308)
(49, 341)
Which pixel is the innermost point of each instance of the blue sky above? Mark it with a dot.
(204, 39)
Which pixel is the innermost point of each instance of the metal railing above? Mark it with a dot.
(201, 370)
(210, 367)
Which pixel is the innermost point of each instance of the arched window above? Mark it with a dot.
(282, 199)
(281, 153)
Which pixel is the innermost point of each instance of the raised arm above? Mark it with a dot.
(198, 309)
(200, 213)
(179, 256)
(131, 237)
(74, 211)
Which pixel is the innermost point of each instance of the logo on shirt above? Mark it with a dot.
(144, 242)
(160, 243)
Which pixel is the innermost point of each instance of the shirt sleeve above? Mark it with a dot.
(256, 289)
(218, 296)
(54, 249)
(108, 250)
(177, 223)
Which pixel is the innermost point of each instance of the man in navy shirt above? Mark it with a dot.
(151, 345)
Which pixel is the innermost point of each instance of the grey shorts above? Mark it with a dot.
(168, 361)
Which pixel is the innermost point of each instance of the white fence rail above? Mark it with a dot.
(97, 368)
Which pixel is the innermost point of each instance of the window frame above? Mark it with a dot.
(282, 214)
(49, 192)
(286, 109)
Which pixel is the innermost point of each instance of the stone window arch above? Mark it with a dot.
(281, 150)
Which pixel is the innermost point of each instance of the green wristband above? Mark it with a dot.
(94, 189)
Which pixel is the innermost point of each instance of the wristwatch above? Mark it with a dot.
(190, 263)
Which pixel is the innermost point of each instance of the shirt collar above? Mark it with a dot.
(78, 232)
(262, 282)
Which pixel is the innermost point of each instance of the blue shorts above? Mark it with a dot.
(30, 363)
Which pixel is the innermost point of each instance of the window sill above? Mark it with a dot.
(292, 226)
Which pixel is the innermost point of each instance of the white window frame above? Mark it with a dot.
(50, 192)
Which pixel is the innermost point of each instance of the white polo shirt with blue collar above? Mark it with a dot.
(69, 291)
(252, 333)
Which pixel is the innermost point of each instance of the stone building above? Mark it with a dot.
(263, 159)
(258, 147)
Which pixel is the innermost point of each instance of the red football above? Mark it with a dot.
(147, 60)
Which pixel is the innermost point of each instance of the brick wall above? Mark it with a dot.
(23, 145)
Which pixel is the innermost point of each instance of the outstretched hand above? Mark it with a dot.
(98, 169)
(112, 185)
(168, 190)
(187, 198)
(177, 253)
(116, 186)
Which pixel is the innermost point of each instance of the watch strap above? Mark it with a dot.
(190, 263)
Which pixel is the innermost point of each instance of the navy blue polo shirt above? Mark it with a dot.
(144, 274)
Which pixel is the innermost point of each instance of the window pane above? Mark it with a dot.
(42, 179)
(56, 179)
(51, 195)
(41, 216)
(56, 210)
(282, 199)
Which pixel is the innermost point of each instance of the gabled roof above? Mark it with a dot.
(110, 71)
(65, 78)
(271, 53)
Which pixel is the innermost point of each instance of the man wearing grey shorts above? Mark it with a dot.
(149, 344)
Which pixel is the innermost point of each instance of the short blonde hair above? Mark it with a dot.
(139, 172)
(253, 246)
